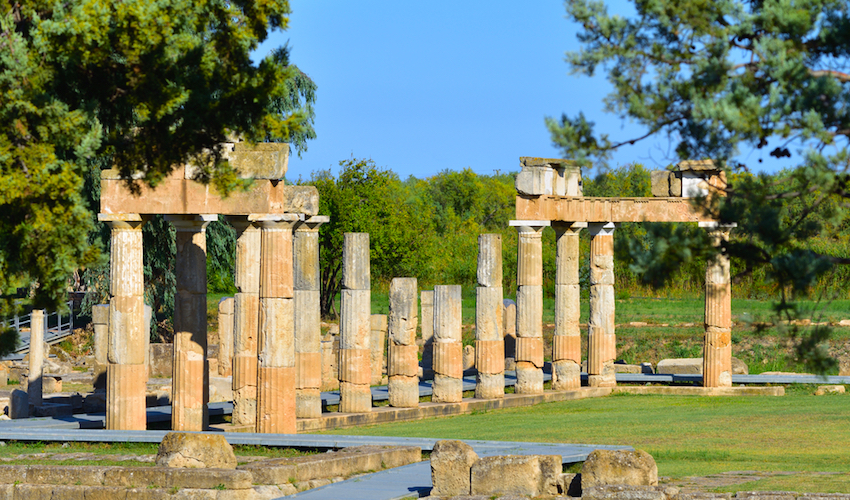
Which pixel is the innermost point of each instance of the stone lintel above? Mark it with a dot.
(177, 195)
(590, 209)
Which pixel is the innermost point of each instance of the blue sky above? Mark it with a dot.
(421, 87)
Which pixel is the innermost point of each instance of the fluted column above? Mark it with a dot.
(402, 359)
(566, 343)
(601, 339)
(529, 307)
(308, 315)
(717, 349)
(355, 371)
(126, 377)
(225, 336)
(190, 379)
(35, 374)
(489, 336)
(246, 313)
(448, 351)
(276, 343)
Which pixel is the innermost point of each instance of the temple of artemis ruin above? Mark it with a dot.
(271, 327)
(549, 194)
(266, 353)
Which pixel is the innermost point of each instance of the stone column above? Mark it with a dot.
(717, 349)
(448, 351)
(427, 326)
(276, 343)
(355, 326)
(35, 374)
(100, 320)
(246, 313)
(225, 336)
(489, 336)
(566, 344)
(126, 378)
(308, 316)
(529, 307)
(402, 359)
(601, 339)
(377, 341)
(190, 379)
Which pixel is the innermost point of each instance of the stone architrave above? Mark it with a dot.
(402, 362)
(601, 338)
(190, 379)
(355, 371)
(276, 372)
(717, 350)
(225, 336)
(246, 313)
(529, 307)
(308, 331)
(427, 327)
(489, 336)
(100, 321)
(448, 351)
(127, 371)
(35, 375)
(566, 343)
(377, 343)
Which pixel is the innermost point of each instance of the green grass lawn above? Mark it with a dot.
(687, 435)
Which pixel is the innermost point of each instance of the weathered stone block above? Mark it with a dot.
(535, 180)
(355, 319)
(660, 183)
(626, 467)
(355, 262)
(451, 465)
(529, 475)
(277, 321)
(263, 160)
(190, 450)
(490, 260)
(829, 389)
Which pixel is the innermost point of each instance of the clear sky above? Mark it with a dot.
(421, 87)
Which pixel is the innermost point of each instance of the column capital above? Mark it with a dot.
(562, 227)
(530, 226)
(276, 221)
(601, 228)
(191, 222)
(312, 223)
(122, 221)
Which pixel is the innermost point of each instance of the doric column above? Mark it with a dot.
(489, 336)
(126, 376)
(276, 343)
(529, 307)
(717, 349)
(308, 315)
(566, 343)
(225, 336)
(355, 372)
(246, 313)
(426, 303)
(448, 364)
(402, 359)
(35, 374)
(190, 379)
(601, 339)
(100, 321)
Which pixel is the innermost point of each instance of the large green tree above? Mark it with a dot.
(140, 85)
(717, 79)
